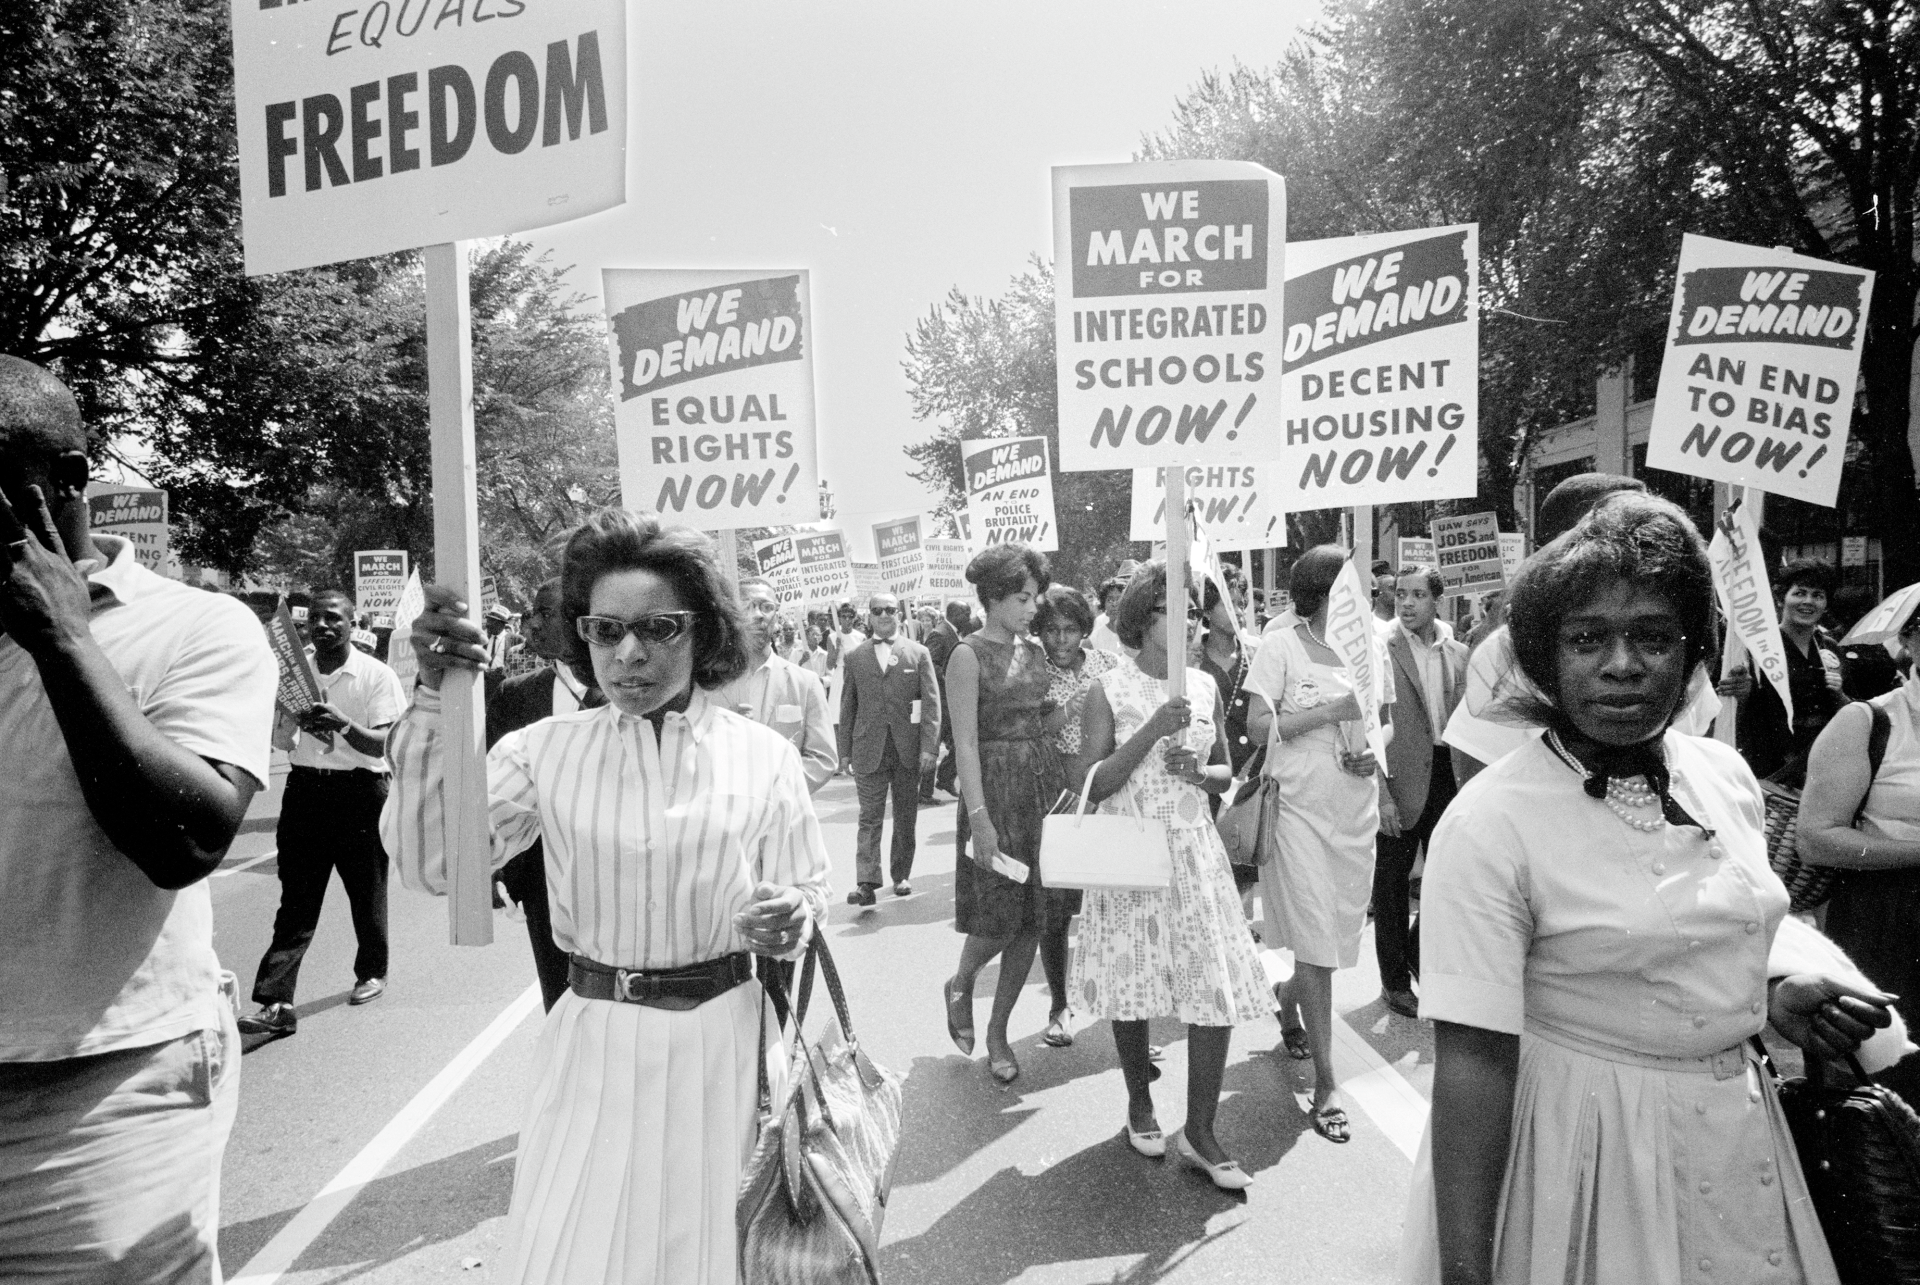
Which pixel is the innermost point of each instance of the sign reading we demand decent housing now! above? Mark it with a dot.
(1166, 312)
(1756, 387)
(380, 126)
(713, 395)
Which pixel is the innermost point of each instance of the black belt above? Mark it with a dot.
(335, 771)
(675, 988)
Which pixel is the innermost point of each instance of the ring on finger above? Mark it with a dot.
(438, 645)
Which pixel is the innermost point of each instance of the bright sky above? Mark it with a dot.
(894, 150)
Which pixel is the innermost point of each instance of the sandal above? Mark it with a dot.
(961, 1033)
(1331, 1123)
(1057, 1036)
(1295, 1038)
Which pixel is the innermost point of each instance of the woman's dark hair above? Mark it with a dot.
(615, 540)
(1313, 576)
(1066, 602)
(1631, 536)
(1148, 586)
(1004, 569)
(1811, 572)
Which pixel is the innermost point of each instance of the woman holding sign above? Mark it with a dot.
(679, 841)
(1327, 810)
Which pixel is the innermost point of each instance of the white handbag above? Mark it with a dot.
(1097, 850)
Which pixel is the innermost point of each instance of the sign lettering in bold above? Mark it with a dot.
(1010, 492)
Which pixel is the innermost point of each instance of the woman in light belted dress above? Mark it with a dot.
(1184, 952)
(1597, 942)
(679, 837)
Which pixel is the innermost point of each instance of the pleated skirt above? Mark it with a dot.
(1625, 1174)
(632, 1146)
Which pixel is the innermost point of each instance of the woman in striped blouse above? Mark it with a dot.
(679, 837)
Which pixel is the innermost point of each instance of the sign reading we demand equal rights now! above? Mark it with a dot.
(1756, 387)
(713, 395)
(400, 123)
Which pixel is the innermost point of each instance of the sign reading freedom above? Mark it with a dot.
(402, 123)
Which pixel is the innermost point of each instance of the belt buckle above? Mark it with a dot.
(625, 983)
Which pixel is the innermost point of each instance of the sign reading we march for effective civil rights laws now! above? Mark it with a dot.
(713, 395)
(401, 123)
(1237, 504)
(1382, 365)
(1756, 387)
(1167, 312)
(379, 578)
(1010, 492)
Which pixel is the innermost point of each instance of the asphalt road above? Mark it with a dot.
(377, 1144)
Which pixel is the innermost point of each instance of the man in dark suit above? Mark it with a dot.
(890, 734)
(517, 702)
(941, 639)
(1429, 673)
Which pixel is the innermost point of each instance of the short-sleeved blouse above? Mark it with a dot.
(1293, 681)
(1067, 688)
(1541, 909)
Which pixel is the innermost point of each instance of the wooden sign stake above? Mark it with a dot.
(456, 564)
(1176, 475)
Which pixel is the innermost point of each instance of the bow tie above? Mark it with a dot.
(1603, 763)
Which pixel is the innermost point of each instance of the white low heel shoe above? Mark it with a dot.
(1227, 1175)
(1152, 1144)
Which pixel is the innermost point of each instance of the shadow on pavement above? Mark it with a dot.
(311, 1009)
(931, 903)
(395, 1215)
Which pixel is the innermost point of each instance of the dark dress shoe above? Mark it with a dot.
(368, 991)
(270, 1019)
(1402, 1002)
(862, 896)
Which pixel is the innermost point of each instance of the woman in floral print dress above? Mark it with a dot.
(1184, 952)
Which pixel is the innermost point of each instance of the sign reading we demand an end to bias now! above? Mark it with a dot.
(1166, 312)
(1381, 369)
(713, 395)
(372, 127)
(1756, 387)
(1010, 492)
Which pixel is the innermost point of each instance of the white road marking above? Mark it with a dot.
(278, 1255)
(248, 864)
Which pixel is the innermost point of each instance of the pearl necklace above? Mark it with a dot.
(1625, 797)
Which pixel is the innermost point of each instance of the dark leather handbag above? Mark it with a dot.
(1859, 1148)
(814, 1193)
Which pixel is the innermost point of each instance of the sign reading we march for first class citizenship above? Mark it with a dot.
(1167, 312)
(713, 395)
(383, 126)
(1756, 387)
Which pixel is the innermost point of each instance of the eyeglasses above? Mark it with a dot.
(1651, 642)
(761, 607)
(605, 631)
(883, 611)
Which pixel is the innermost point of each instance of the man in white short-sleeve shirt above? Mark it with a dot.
(330, 817)
(134, 722)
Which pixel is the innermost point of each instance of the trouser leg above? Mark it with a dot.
(949, 765)
(1392, 865)
(305, 860)
(906, 814)
(362, 863)
(872, 789)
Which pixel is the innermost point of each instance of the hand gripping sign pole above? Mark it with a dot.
(456, 565)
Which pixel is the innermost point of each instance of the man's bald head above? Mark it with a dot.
(39, 420)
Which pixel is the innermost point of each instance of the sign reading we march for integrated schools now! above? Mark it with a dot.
(1238, 505)
(388, 125)
(713, 395)
(807, 568)
(1756, 387)
(1167, 312)
(1381, 369)
(1010, 492)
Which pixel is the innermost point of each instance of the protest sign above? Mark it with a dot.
(1414, 551)
(1763, 351)
(1467, 552)
(867, 581)
(713, 395)
(946, 576)
(903, 560)
(489, 592)
(371, 129)
(379, 577)
(136, 514)
(299, 687)
(400, 657)
(1746, 600)
(820, 561)
(1351, 636)
(779, 566)
(1010, 492)
(1237, 503)
(1513, 551)
(1381, 369)
(1166, 312)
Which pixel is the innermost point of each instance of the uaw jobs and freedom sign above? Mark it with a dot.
(380, 126)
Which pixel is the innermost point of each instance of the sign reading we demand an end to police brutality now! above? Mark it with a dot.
(388, 125)
(1382, 369)
(713, 395)
(1756, 387)
(1010, 492)
(1166, 312)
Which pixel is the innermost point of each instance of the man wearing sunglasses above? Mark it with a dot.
(890, 735)
(779, 694)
